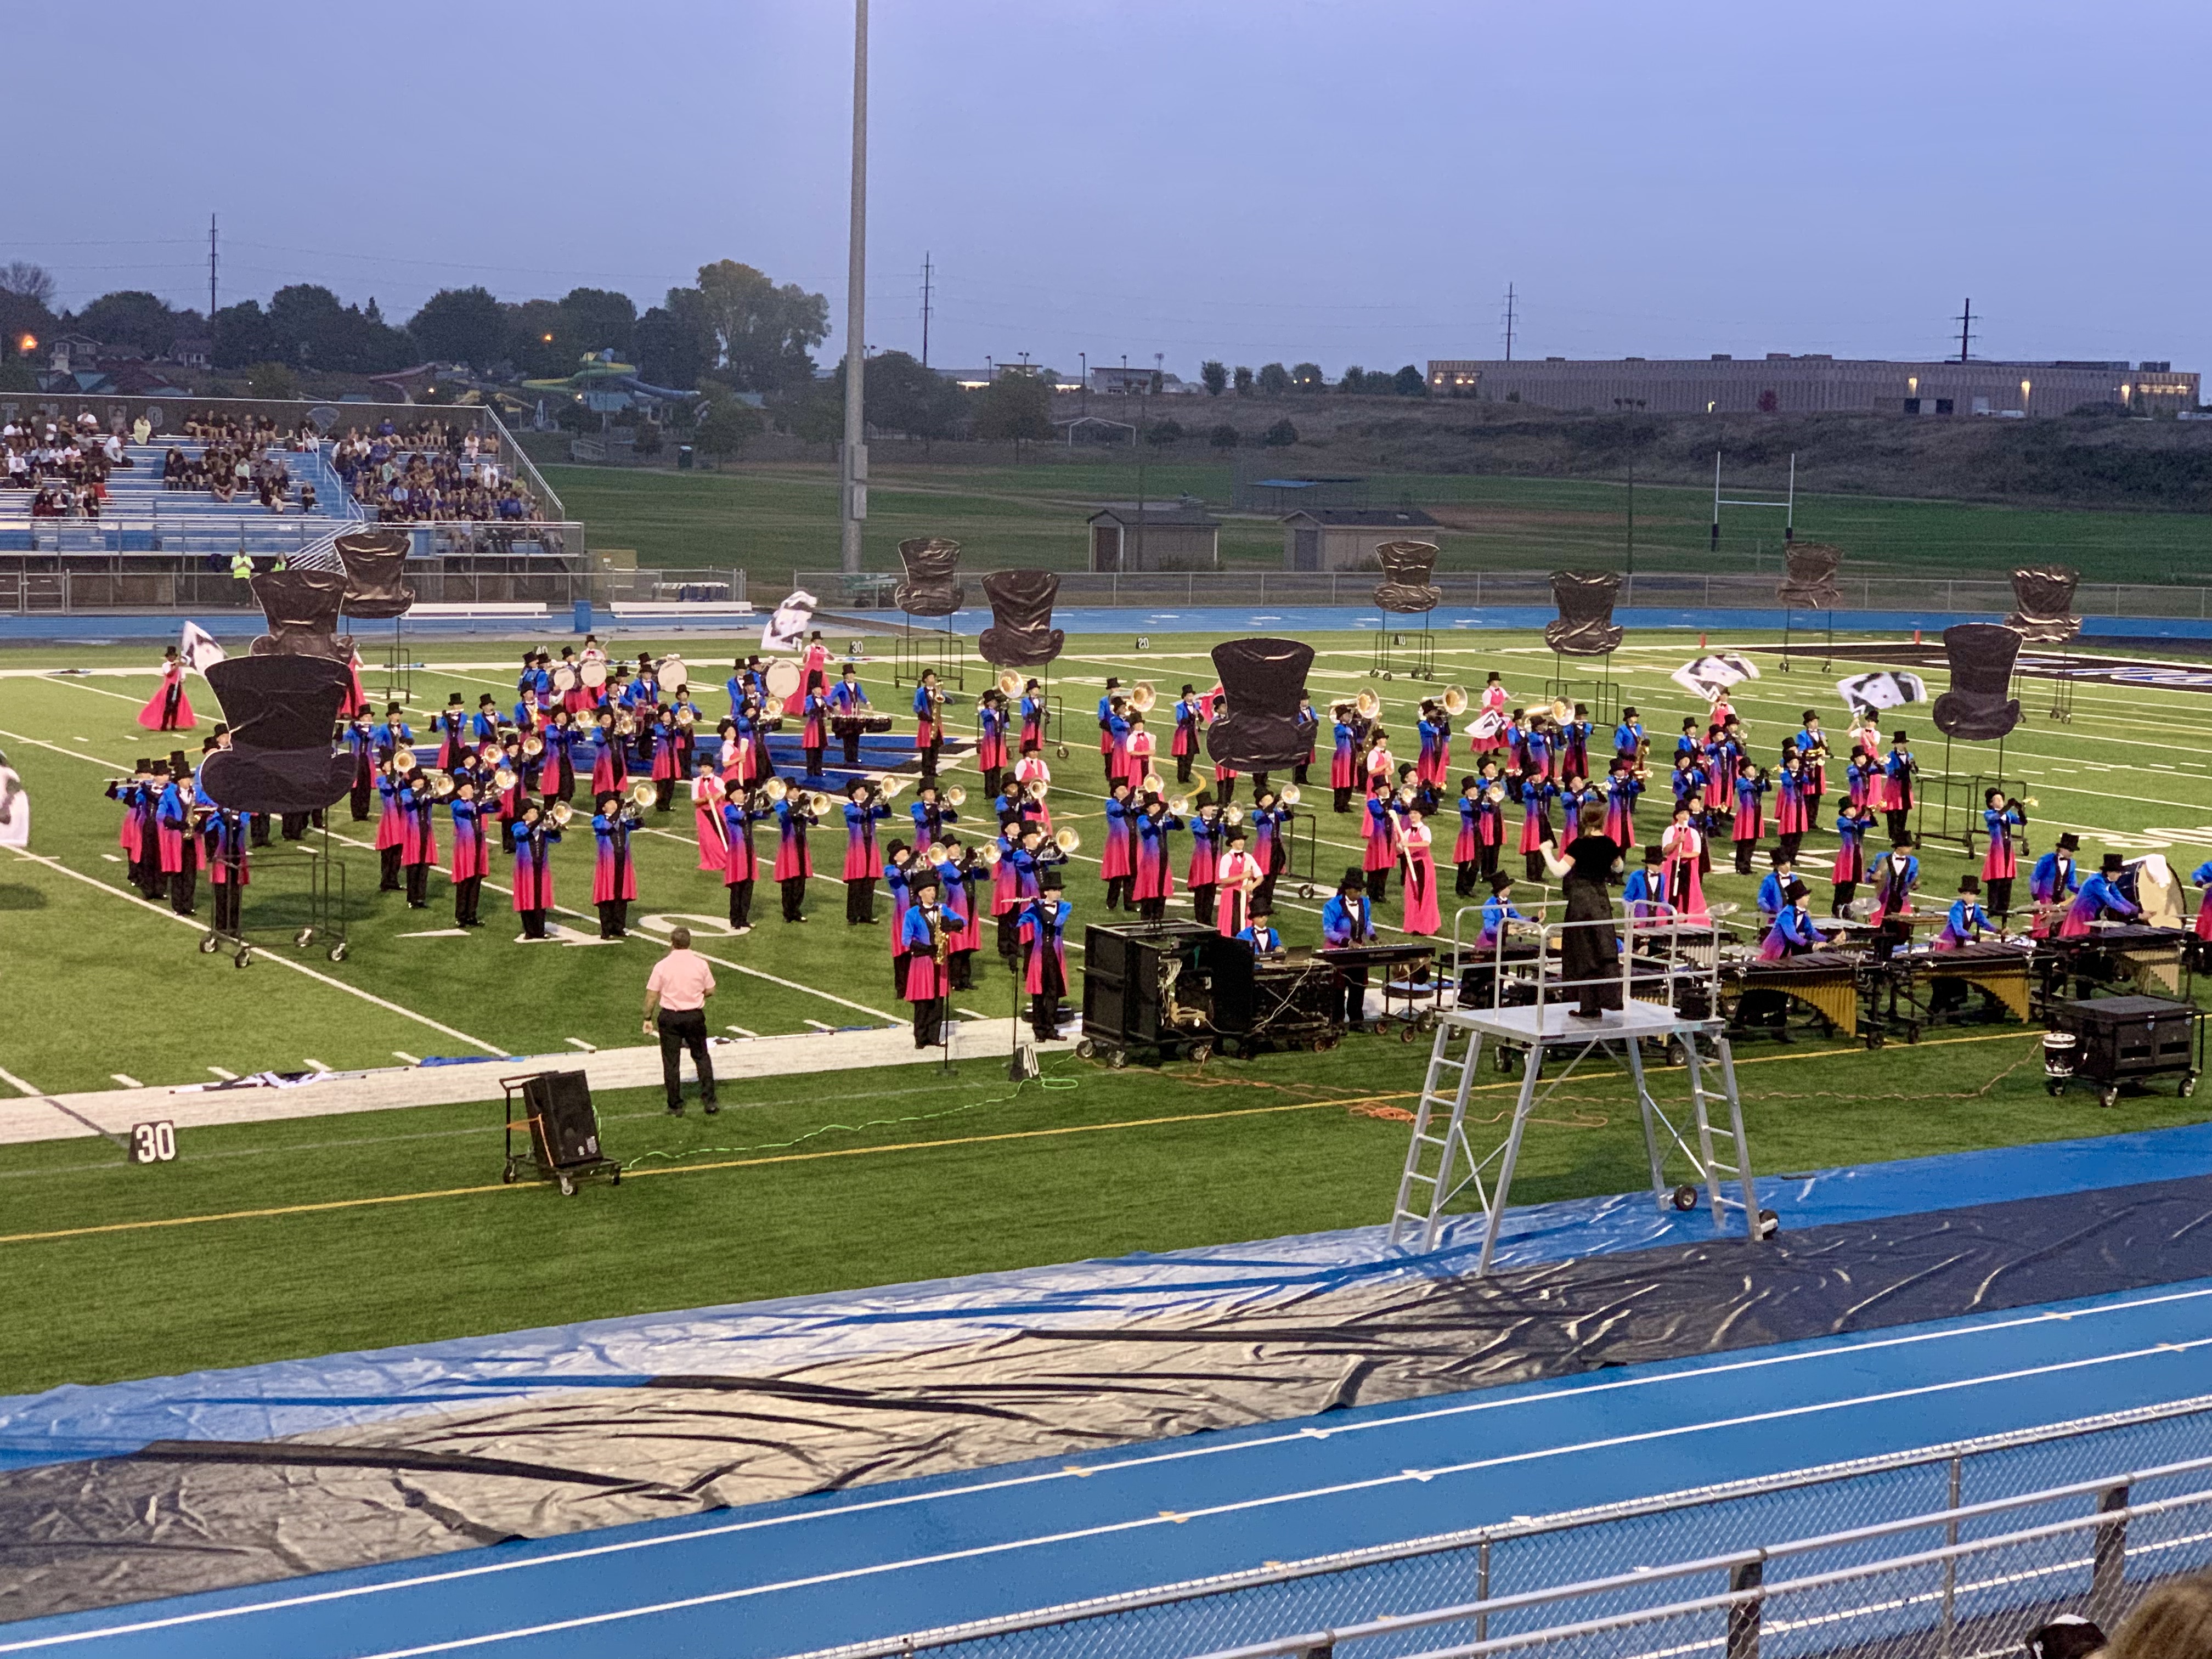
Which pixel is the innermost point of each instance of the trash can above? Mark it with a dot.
(684, 457)
(583, 615)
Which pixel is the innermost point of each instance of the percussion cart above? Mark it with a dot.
(561, 1135)
(2109, 1043)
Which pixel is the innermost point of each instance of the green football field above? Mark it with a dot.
(345, 1232)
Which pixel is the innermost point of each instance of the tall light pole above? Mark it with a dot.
(853, 494)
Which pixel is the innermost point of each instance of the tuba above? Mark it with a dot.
(643, 793)
(956, 797)
(1010, 684)
(775, 788)
(1454, 701)
(403, 760)
(1142, 697)
(1366, 704)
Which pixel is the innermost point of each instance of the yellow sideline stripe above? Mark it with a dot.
(870, 1151)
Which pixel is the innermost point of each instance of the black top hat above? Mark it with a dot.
(929, 589)
(1780, 856)
(486, 700)
(2113, 864)
(2042, 604)
(923, 878)
(1970, 883)
(1050, 881)
(1584, 627)
(2069, 843)
(1809, 578)
(1407, 568)
(1796, 890)
(302, 607)
(1353, 877)
(376, 585)
(1976, 707)
(282, 709)
(1500, 880)
(1259, 732)
(1021, 634)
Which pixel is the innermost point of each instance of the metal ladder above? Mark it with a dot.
(1445, 1149)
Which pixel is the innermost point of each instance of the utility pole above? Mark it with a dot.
(211, 263)
(1509, 322)
(1631, 571)
(853, 497)
(1965, 321)
(925, 308)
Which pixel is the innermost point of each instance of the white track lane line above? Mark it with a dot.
(1848, 1351)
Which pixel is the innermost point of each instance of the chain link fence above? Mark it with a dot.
(90, 586)
(1531, 1576)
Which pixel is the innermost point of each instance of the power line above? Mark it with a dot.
(1965, 322)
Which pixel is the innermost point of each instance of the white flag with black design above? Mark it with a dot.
(1862, 693)
(1710, 676)
(786, 630)
(199, 648)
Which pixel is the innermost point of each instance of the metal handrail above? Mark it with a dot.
(1520, 1528)
(519, 459)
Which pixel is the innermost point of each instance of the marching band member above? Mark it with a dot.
(1590, 946)
(1435, 759)
(418, 836)
(2201, 878)
(1006, 888)
(1622, 786)
(1044, 949)
(864, 864)
(1538, 752)
(927, 941)
(534, 835)
(1206, 830)
(1791, 932)
(1139, 746)
(813, 728)
(848, 703)
(1537, 793)
(739, 814)
(1270, 822)
(529, 713)
(360, 741)
(391, 733)
(1225, 775)
(706, 826)
(471, 858)
(133, 835)
(2053, 882)
(1574, 741)
(1031, 769)
(1966, 922)
(1468, 849)
(1900, 768)
(929, 727)
(1683, 844)
(1688, 745)
(1687, 778)
(357, 700)
(930, 816)
(667, 757)
(1344, 762)
(2001, 817)
(900, 867)
(1153, 879)
(1773, 887)
(644, 693)
(1853, 820)
(1259, 933)
(794, 864)
(1035, 713)
(1645, 892)
(1494, 700)
(1895, 874)
(1236, 877)
(1188, 722)
(559, 766)
(390, 827)
(614, 872)
(1423, 915)
(227, 841)
(169, 709)
(1106, 702)
(1793, 813)
(611, 758)
(1117, 864)
(2100, 900)
(1813, 750)
(1498, 910)
(1307, 720)
(483, 724)
(738, 685)
(1723, 759)
(956, 870)
(507, 802)
(451, 725)
(991, 739)
(1117, 741)
(1347, 921)
(1860, 777)
(1381, 833)
(814, 667)
(1628, 741)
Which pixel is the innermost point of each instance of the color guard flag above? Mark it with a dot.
(1885, 690)
(786, 630)
(199, 649)
(1710, 676)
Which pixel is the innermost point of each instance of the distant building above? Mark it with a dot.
(1345, 537)
(71, 352)
(1814, 383)
(1154, 536)
(1140, 382)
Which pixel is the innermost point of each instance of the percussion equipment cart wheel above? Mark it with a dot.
(244, 957)
(1200, 1053)
(209, 945)
(304, 937)
(2109, 1096)
(1085, 1049)
(2187, 1087)
(2056, 1087)
(568, 1187)
(1685, 1198)
(1116, 1059)
(339, 952)
(508, 1174)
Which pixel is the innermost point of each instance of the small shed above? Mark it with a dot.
(1345, 537)
(1127, 535)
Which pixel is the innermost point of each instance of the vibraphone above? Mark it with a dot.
(1824, 982)
(1998, 969)
(2154, 961)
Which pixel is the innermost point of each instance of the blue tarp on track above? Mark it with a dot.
(302, 1396)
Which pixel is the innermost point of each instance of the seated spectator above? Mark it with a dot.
(2174, 1622)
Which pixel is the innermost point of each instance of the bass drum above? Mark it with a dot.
(783, 679)
(675, 678)
(2149, 882)
(593, 674)
(564, 678)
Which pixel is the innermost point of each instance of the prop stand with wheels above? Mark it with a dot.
(560, 1129)
(1977, 708)
(1407, 590)
(929, 590)
(2043, 614)
(1584, 628)
(325, 875)
(1808, 583)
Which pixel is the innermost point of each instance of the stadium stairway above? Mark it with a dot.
(143, 517)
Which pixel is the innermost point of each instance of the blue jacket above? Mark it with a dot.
(1342, 924)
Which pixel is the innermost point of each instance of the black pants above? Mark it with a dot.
(294, 826)
(1900, 822)
(418, 886)
(1487, 866)
(898, 972)
(1536, 866)
(1044, 1017)
(1744, 851)
(1182, 768)
(929, 767)
(1118, 889)
(1464, 887)
(467, 894)
(741, 903)
(533, 924)
(664, 791)
(1589, 955)
(1343, 798)
(1378, 885)
(813, 762)
(795, 897)
(860, 900)
(227, 896)
(359, 803)
(1355, 997)
(1151, 909)
(1788, 845)
(1225, 791)
(1299, 773)
(614, 918)
(679, 1030)
(389, 858)
(2000, 897)
(929, 1023)
(258, 834)
(184, 889)
(1844, 889)
(1010, 933)
(960, 968)
(852, 739)
(1201, 903)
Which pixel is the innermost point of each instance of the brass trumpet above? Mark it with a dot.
(625, 724)
(888, 787)
(956, 796)
(1454, 701)
(643, 793)
(819, 804)
(1180, 806)
(1291, 795)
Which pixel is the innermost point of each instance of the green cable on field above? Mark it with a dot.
(1042, 1082)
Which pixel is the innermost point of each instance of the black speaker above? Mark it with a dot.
(564, 1128)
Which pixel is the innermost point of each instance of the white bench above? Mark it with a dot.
(672, 610)
(516, 611)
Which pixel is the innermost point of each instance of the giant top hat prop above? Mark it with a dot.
(1977, 707)
(929, 589)
(281, 711)
(1406, 586)
(2042, 604)
(301, 605)
(1808, 583)
(375, 569)
(1584, 626)
(1021, 634)
(1261, 678)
